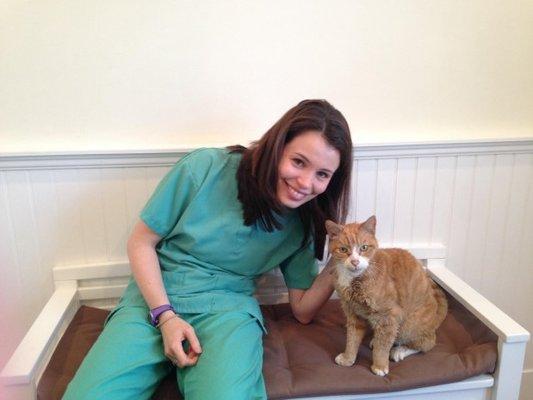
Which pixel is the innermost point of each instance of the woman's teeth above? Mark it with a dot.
(295, 194)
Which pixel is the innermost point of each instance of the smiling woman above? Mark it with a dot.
(217, 220)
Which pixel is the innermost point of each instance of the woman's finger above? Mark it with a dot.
(184, 359)
(193, 341)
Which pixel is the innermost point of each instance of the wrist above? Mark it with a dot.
(163, 321)
(165, 315)
(155, 313)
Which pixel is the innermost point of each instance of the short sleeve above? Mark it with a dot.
(301, 268)
(173, 194)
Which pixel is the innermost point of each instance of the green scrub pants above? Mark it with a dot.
(128, 361)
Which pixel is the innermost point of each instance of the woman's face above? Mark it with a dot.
(306, 167)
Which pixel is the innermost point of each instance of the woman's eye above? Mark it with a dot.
(298, 162)
(323, 175)
(363, 247)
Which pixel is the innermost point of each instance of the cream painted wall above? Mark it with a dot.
(105, 75)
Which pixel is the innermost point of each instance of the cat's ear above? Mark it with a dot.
(333, 229)
(370, 225)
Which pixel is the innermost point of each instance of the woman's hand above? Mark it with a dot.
(175, 331)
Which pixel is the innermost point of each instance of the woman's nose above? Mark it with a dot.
(305, 181)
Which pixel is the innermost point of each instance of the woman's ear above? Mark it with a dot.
(333, 229)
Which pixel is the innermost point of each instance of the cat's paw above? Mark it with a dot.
(371, 344)
(400, 352)
(344, 360)
(380, 371)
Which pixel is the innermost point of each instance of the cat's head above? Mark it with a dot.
(352, 246)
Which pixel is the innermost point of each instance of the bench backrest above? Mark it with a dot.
(102, 284)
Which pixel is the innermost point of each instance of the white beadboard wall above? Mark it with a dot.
(474, 197)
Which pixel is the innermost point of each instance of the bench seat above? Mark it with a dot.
(299, 359)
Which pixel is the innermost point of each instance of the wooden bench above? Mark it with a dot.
(102, 284)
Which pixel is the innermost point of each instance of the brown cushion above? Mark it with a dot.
(299, 359)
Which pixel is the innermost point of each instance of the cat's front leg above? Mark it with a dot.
(384, 335)
(355, 332)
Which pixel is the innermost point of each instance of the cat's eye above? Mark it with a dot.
(343, 249)
(364, 247)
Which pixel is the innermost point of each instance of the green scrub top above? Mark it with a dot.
(209, 259)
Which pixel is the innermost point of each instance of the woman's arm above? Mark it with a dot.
(147, 273)
(306, 303)
(145, 264)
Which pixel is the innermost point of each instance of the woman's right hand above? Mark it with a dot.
(175, 331)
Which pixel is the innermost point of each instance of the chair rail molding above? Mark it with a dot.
(166, 157)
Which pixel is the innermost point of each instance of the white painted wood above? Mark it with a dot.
(508, 370)
(128, 158)
(376, 151)
(93, 159)
(491, 256)
(461, 208)
(421, 251)
(475, 388)
(423, 200)
(69, 233)
(366, 189)
(523, 296)
(405, 191)
(115, 216)
(136, 194)
(101, 292)
(45, 213)
(10, 293)
(92, 215)
(478, 215)
(442, 204)
(88, 271)
(353, 192)
(21, 367)
(271, 288)
(24, 230)
(513, 231)
(385, 198)
(508, 330)
(27, 272)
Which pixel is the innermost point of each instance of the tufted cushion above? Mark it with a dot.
(298, 359)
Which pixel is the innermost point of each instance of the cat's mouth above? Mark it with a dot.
(355, 270)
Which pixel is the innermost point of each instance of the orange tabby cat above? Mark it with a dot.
(385, 289)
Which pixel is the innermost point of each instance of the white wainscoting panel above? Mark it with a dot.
(474, 198)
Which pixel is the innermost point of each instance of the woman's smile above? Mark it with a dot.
(296, 195)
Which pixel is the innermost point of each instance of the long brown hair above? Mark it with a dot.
(258, 171)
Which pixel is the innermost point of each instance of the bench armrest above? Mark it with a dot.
(31, 356)
(512, 337)
(500, 323)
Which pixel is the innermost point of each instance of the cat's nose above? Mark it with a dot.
(355, 263)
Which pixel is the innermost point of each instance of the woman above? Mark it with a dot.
(218, 220)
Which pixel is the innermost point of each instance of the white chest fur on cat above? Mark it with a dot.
(344, 277)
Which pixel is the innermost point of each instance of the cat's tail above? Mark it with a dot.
(442, 304)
